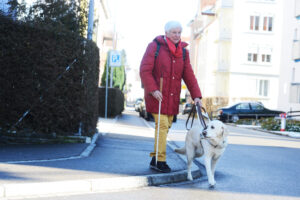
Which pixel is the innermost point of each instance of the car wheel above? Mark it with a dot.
(235, 118)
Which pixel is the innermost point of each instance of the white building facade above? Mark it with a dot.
(248, 50)
(256, 51)
(289, 83)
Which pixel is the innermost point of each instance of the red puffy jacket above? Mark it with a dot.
(172, 70)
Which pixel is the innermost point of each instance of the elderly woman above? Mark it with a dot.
(166, 62)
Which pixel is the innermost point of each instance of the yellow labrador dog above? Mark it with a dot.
(210, 143)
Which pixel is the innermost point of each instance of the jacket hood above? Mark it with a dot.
(162, 41)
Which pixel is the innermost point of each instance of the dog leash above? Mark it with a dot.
(196, 108)
(200, 116)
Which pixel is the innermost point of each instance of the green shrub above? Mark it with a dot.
(275, 125)
(115, 102)
(32, 60)
(272, 124)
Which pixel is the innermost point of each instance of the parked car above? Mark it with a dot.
(143, 113)
(137, 104)
(148, 116)
(242, 110)
(187, 107)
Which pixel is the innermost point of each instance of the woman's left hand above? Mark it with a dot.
(198, 100)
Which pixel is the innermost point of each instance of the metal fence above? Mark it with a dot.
(293, 115)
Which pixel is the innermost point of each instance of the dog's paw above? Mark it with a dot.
(212, 185)
(189, 177)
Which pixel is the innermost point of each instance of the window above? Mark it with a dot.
(268, 24)
(259, 54)
(243, 106)
(261, 22)
(254, 23)
(262, 88)
(256, 106)
(252, 57)
(265, 58)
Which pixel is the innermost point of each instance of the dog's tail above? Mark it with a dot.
(181, 150)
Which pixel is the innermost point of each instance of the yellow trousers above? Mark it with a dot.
(165, 124)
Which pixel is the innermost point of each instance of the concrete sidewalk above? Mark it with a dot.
(116, 159)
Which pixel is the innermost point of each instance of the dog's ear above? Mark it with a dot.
(225, 131)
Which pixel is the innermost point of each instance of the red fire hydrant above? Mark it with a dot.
(283, 121)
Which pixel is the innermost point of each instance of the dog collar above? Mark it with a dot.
(215, 146)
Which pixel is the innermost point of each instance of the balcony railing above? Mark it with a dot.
(296, 51)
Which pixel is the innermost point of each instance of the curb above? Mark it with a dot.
(84, 154)
(26, 190)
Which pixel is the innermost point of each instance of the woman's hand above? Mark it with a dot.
(198, 100)
(157, 95)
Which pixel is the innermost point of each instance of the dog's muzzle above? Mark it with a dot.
(204, 132)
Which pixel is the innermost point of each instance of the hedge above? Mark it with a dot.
(115, 102)
(34, 78)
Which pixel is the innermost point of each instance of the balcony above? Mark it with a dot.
(297, 9)
(296, 51)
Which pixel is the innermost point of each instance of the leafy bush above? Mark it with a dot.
(54, 15)
(272, 124)
(32, 60)
(115, 102)
(275, 125)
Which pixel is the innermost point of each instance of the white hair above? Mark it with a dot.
(171, 25)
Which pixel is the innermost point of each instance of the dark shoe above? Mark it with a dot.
(152, 163)
(161, 166)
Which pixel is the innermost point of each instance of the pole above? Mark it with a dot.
(82, 79)
(158, 123)
(111, 76)
(90, 20)
(106, 90)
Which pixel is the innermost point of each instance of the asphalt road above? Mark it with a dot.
(256, 165)
(254, 162)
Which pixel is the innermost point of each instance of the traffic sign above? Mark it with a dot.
(115, 59)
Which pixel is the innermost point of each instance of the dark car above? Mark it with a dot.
(148, 116)
(137, 104)
(242, 110)
(187, 108)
